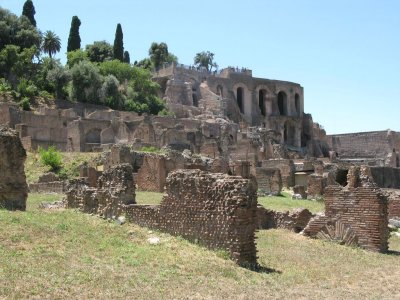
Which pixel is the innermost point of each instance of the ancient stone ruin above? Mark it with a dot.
(13, 186)
(215, 210)
(115, 188)
(355, 215)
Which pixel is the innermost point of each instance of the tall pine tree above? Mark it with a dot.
(29, 11)
(74, 39)
(119, 44)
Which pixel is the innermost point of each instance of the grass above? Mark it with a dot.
(285, 202)
(70, 162)
(153, 198)
(66, 254)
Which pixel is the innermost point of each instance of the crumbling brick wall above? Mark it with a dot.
(152, 175)
(115, 188)
(295, 220)
(353, 216)
(13, 186)
(316, 185)
(216, 210)
(287, 168)
(393, 203)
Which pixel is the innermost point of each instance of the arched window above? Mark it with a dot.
(239, 98)
(261, 101)
(282, 103)
(297, 103)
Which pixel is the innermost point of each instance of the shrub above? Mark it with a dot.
(25, 104)
(51, 157)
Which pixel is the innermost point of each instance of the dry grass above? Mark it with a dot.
(65, 254)
(153, 198)
(70, 162)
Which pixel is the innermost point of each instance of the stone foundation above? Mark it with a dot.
(13, 186)
(216, 210)
(295, 220)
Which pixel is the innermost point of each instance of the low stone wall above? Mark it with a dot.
(115, 188)
(216, 210)
(48, 187)
(269, 180)
(13, 186)
(353, 216)
(295, 220)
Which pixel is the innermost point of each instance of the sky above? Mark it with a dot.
(345, 53)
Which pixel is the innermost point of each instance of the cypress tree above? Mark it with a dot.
(127, 58)
(74, 39)
(119, 44)
(29, 11)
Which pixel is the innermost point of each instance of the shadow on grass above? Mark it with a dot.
(261, 269)
(393, 252)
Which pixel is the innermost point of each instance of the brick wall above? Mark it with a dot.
(287, 168)
(295, 220)
(152, 175)
(353, 216)
(393, 203)
(48, 187)
(316, 185)
(216, 210)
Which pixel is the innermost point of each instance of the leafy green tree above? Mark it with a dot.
(159, 55)
(17, 31)
(144, 64)
(59, 77)
(99, 51)
(119, 44)
(122, 71)
(206, 60)
(127, 58)
(29, 11)
(17, 63)
(86, 82)
(51, 43)
(110, 93)
(74, 39)
(76, 56)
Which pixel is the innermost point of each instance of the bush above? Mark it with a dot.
(51, 157)
(25, 104)
(150, 149)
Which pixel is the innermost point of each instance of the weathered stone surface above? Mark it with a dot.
(216, 210)
(13, 186)
(48, 177)
(269, 181)
(115, 188)
(295, 220)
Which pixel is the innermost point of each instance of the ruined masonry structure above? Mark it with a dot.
(216, 210)
(13, 186)
(115, 188)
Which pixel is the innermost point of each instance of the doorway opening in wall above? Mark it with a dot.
(341, 177)
(195, 100)
(261, 101)
(297, 103)
(239, 98)
(282, 99)
(289, 134)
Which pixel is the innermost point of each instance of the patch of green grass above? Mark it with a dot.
(152, 198)
(285, 202)
(70, 164)
(67, 254)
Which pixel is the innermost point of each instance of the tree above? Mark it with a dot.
(29, 11)
(99, 51)
(206, 60)
(51, 43)
(74, 39)
(159, 55)
(86, 82)
(119, 44)
(127, 58)
(59, 78)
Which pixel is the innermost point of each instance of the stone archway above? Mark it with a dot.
(282, 103)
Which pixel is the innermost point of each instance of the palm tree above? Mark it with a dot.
(51, 43)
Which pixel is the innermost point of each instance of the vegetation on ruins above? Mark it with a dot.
(51, 157)
(118, 49)
(100, 74)
(205, 59)
(74, 39)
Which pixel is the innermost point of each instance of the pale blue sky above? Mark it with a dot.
(345, 53)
